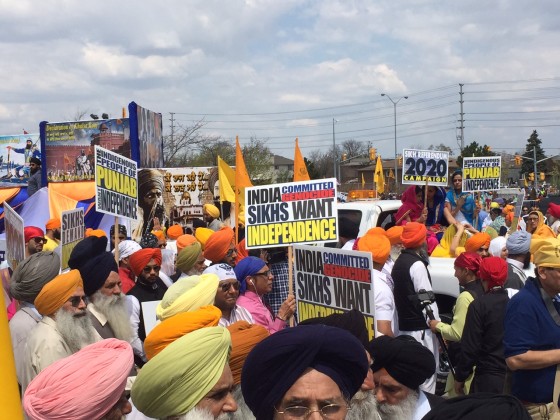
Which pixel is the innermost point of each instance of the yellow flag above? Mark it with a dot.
(379, 178)
(391, 174)
(300, 170)
(363, 181)
(226, 176)
(242, 181)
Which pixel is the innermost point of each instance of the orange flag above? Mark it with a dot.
(300, 170)
(242, 181)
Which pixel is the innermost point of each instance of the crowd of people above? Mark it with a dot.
(195, 326)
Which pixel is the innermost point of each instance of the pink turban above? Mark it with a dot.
(84, 386)
(140, 259)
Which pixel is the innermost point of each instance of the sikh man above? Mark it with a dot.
(64, 329)
(227, 295)
(553, 217)
(411, 275)
(220, 247)
(479, 243)
(26, 282)
(52, 234)
(34, 238)
(190, 260)
(89, 384)
(518, 246)
(126, 249)
(211, 215)
(102, 285)
(400, 366)
(300, 371)
(190, 379)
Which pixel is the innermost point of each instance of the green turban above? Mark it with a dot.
(187, 257)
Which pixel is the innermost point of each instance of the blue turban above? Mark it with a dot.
(248, 266)
(277, 362)
(518, 242)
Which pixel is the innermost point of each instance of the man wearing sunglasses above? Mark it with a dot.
(34, 240)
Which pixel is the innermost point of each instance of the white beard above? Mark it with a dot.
(243, 412)
(402, 411)
(199, 414)
(76, 331)
(115, 310)
(363, 406)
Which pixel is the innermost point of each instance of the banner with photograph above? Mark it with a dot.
(329, 280)
(291, 213)
(422, 165)
(146, 130)
(482, 173)
(15, 152)
(72, 231)
(15, 239)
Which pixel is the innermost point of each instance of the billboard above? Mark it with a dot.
(15, 152)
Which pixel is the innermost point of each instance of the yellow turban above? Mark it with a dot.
(179, 377)
(186, 258)
(188, 294)
(56, 292)
(244, 337)
(477, 241)
(545, 252)
(174, 232)
(378, 245)
(183, 241)
(202, 235)
(212, 210)
(179, 325)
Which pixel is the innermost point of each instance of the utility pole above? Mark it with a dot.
(172, 126)
(334, 149)
(462, 117)
(395, 125)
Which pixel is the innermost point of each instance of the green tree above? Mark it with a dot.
(475, 150)
(207, 154)
(528, 165)
(259, 161)
(311, 170)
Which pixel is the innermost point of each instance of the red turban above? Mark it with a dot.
(494, 270)
(218, 244)
(477, 241)
(244, 337)
(394, 234)
(377, 244)
(31, 232)
(174, 232)
(469, 260)
(414, 235)
(140, 259)
(554, 210)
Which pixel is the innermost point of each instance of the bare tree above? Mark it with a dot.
(354, 148)
(208, 152)
(259, 161)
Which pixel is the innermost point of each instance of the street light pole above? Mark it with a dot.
(395, 124)
(334, 149)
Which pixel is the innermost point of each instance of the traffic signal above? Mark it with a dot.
(532, 176)
(541, 176)
(344, 156)
(372, 153)
(400, 160)
(517, 160)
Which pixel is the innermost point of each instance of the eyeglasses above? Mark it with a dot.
(231, 252)
(331, 412)
(39, 240)
(266, 273)
(532, 219)
(148, 269)
(457, 180)
(75, 300)
(226, 286)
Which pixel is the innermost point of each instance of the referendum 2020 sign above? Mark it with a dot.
(291, 213)
(116, 184)
(72, 231)
(482, 173)
(422, 165)
(329, 280)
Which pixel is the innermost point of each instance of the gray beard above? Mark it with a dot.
(115, 310)
(199, 414)
(395, 252)
(243, 412)
(76, 331)
(401, 411)
(363, 406)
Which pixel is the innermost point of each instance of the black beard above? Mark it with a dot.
(34, 170)
(56, 234)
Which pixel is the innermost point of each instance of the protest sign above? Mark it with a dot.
(329, 280)
(149, 315)
(15, 153)
(72, 231)
(420, 166)
(15, 240)
(291, 213)
(482, 173)
(116, 185)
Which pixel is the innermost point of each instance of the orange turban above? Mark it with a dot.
(174, 232)
(179, 325)
(378, 230)
(378, 245)
(57, 291)
(508, 209)
(241, 251)
(218, 244)
(509, 217)
(53, 224)
(414, 235)
(184, 241)
(244, 337)
(477, 241)
(394, 234)
(159, 234)
(140, 259)
(95, 232)
(202, 235)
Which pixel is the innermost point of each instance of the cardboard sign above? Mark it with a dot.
(116, 184)
(149, 315)
(291, 213)
(15, 239)
(329, 280)
(482, 173)
(422, 165)
(72, 231)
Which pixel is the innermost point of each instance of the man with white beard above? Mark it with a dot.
(400, 366)
(102, 285)
(64, 329)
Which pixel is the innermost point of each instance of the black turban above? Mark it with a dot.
(404, 358)
(149, 240)
(348, 228)
(482, 405)
(352, 321)
(122, 230)
(149, 179)
(32, 274)
(277, 362)
(94, 263)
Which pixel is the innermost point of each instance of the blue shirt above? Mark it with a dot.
(529, 326)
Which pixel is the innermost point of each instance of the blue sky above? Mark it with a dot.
(280, 69)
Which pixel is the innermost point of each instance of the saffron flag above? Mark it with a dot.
(242, 181)
(379, 178)
(391, 174)
(226, 176)
(363, 181)
(300, 170)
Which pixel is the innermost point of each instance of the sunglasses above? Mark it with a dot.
(231, 252)
(75, 300)
(39, 240)
(224, 287)
(148, 269)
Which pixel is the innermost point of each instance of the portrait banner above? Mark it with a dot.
(72, 231)
(15, 153)
(15, 239)
(291, 213)
(482, 173)
(150, 137)
(420, 166)
(329, 280)
(116, 184)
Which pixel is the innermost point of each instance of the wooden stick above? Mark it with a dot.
(290, 277)
(116, 233)
(426, 199)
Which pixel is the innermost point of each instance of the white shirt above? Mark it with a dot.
(349, 244)
(384, 301)
(422, 407)
(238, 313)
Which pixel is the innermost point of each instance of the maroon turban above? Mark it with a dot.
(140, 259)
(494, 270)
(554, 210)
(469, 260)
